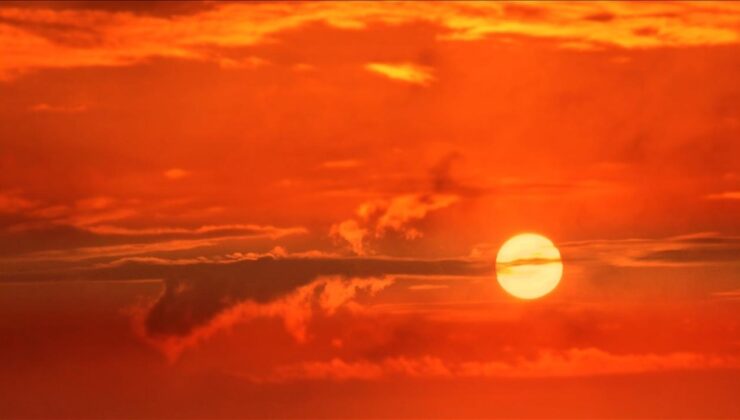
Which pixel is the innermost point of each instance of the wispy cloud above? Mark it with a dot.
(724, 196)
(568, 363)
(33, 38)
(404, 72)
(268, 231)
(250, 62)
(341, 164)
(59, 109)
(276, 252)
(157, 240)
(176, 173)
(730, 294)
(378, 217)
(105, 228)
(13, 203)
(428, 287)
(697, 249)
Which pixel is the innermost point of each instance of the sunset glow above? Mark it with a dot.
(320, 209)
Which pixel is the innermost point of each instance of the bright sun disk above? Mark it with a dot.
(528, 266)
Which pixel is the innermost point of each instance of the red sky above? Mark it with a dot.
(293, 209)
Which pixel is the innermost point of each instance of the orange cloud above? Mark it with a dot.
(242, 63)
(404, 72)
(569, 363)
(82, 213)
(267, 231)
(13, 203)
(95, 203)
(62, 109)
(275, 253)
(697, 249)
(730, 294)
(325, 295)
(400, 211)
(100, 38)
(137, 246)
(395, 214)
(428, 287)
(176, 173)
(341, 164)
(725, 196)
(350, 231)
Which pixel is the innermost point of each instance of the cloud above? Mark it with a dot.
(729, 294)
(248, 63)
(350, 231)
(303, 67)
(100, 228)
(206, 289)
(151, 8)
(14, 203)
(428, 287)
(324, 295)
(60, 109)
(126, 242)
(692, 249)
(400, 211)
(592, 25)
(404, 72)
(706, 249)
(375, 218)
(567, 363)
(176, 173)
(697, 249)
(62, 38)
(95, 203)
(276, 252)
(341, 164)
(217, 230)
(36, 214)
(397, 214)
(204, 296)
(724, 196)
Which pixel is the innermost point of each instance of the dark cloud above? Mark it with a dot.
(441, 173)
(600, 17)
(195, 293)
(691, 255)
(70, 239)
(525, 12)
(148, 8)
(58, 32)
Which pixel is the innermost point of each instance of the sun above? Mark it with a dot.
(528, 266)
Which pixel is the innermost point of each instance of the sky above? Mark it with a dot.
(273, 209)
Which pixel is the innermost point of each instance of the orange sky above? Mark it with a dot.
(293, 209)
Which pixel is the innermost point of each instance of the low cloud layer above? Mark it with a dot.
(103, 229)
(202, 297)
(324, 295)
(700, 249)
(195, 294)
(546, 364)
